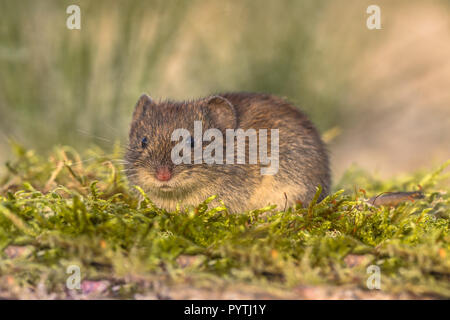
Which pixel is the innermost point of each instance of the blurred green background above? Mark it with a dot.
(380, 97)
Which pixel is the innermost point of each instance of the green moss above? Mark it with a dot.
(63, 211)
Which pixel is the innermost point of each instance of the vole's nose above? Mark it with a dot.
(163, 174)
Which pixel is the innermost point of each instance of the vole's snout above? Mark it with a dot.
(163, 173)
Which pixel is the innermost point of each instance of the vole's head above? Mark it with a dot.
(149, 157)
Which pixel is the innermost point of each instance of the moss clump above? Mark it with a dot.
(67, 211)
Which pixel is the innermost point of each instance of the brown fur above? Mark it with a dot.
(303, 159)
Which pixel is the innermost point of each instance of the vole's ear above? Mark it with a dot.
(222, 112)
(142, 105)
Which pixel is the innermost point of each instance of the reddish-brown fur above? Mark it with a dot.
(303, 159)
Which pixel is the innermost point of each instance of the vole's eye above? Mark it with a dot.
(190, 142)
(144, 143)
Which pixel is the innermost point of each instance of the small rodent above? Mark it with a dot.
(303, 160)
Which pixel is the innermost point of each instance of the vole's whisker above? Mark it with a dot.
(93, 135)
(133, 175)
(120, 161)
(86, 160)
(127, 171)
(111, 127)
